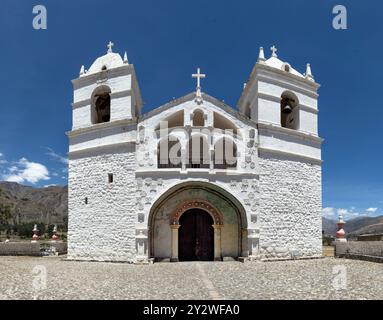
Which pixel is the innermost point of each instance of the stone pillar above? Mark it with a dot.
(217, 242)
(212, 153)
(340, 234)
(245, 243)
(35, 236)
(174, 228)
(184, 159)
(141, 243)
(55, 236)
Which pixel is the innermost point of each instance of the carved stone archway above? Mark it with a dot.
(196, 204)
(173, 217)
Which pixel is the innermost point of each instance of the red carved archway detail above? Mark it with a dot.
(196, 204)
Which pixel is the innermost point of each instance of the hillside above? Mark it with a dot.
(28, 204)
(355, 226)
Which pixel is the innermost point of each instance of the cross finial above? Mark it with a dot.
(273, 51)
(199, 76)
(110, 46)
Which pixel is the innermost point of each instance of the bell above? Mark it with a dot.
(287, 109)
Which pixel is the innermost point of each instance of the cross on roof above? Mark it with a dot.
(110, 46)
(199, 76)
(273, 51)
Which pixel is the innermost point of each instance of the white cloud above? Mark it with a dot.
(13, 169)
(50, 185)
(333, 213)
(2, 160)
(14, 178)
(55, 156)
(26, 171)
(348, 213)
(328, 212)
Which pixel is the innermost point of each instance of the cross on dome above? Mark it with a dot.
(110, 46)
(273, 51)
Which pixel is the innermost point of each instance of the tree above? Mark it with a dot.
(5, 211)
(5, 214)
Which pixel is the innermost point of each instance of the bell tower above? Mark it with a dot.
(102, 160)
(284, 104)
(105, 96)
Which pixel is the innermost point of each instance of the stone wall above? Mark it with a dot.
(31, 249)
(360, 249)
(19, 249)
(290, 208)
(104, 228)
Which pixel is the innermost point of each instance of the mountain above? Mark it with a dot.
(46, 205)
(354, 227)
(328, 226)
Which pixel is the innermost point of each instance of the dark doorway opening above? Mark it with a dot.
(196, 236)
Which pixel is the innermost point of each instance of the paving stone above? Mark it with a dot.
(298, 279)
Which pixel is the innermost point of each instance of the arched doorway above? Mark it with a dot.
(228, 214)
(196, 236)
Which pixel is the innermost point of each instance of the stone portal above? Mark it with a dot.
(196, 236)
(197, 222)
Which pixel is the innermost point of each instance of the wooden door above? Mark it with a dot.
(196, 236)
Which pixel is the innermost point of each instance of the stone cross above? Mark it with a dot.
(110, 46)
(273, 51)
(199, 76)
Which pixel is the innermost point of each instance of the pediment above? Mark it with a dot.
(188, 102)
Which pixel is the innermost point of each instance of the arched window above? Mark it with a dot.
(173, 121)
(225, 154)
(286, 67)
(289, 111)
(221, 122)
(169, 153)
(198, 118)
(198, 152)
(101, 105)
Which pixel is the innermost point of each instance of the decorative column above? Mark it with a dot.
(217, 242)
(174, 228)
(340, 234)
(35, 236)
(141, 255)
(212, 156)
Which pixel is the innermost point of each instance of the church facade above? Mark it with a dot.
(194, 179)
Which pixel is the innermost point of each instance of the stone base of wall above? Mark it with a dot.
(362, 250)
(286, 258)
(32, 249)
(362, 257)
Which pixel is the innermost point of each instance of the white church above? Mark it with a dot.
(194, 179)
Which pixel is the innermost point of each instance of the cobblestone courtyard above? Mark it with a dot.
(308, 279)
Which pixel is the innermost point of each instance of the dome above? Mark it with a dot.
(109, 61)
(278, 64)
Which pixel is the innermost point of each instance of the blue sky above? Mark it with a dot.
(167, 41)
